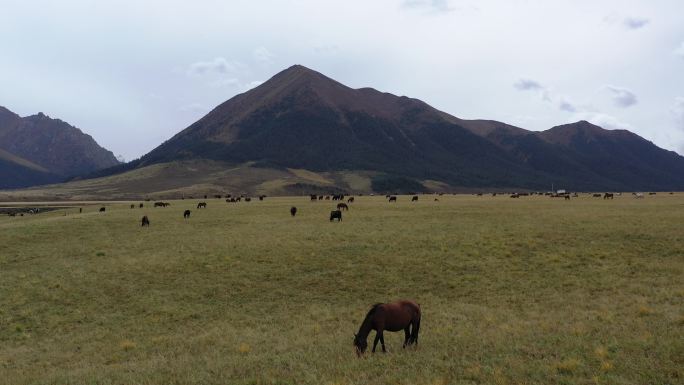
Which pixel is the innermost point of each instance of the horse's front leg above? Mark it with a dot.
(375, 342)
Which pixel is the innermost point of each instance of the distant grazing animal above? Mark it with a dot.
(293, 211)
(651, 193)
(159, 204)
(186, 214)
(132, 206)
(320, 197)
(350, 200)
(567, 197)
(141, 205)
(313, 197)
(415, 198)
(342, 206)
(102, 209)
(393, 317)
(392, 199)
(436, 200)
(248, 199)
(261, 197)
(336, 214)
(597, 195)
(145, 222)
(608, 196)
(202, 205)
(639, 195)
(80, 209)
(515, 195)
(327, 197)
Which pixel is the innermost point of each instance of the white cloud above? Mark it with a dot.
(527, 84)
(565, 105)
(634, 22)
(432, 5)
(622, 97)
(218, 65)
(677, 111)
(679, 51)
(263, 56)
(606, 121)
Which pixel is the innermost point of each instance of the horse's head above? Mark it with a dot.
(360, 345)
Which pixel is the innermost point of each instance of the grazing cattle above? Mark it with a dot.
(159, 204)
(261, 197)
(515, 195)
(651, 193)
(102, 209)
(141, 205)
(293, 211)
(186, 214)
(415, 198)
(248, 199)
(202, 205)
(596, 195)
(342, 206)
(567, 197)
(145, 222)
(392, 199)
(393, 317)
(313, 197)
(608, 196)
(336, 214)
(350, 200)
(132, 206)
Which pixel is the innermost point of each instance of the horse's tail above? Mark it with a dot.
(416, 327)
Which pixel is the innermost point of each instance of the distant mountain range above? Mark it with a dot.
(317, 134)
(38, 149)
(304, 120)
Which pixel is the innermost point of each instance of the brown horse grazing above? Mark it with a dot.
(202, 205)
(393, 317)
(342, 206)
(415, 198)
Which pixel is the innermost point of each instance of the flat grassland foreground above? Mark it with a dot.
(532, 290)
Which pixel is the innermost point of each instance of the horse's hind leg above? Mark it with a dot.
(407, 335)
(414, 332)
(382, 341)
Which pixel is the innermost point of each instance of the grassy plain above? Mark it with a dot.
(514, 291)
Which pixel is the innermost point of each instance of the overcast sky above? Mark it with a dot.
(133, 73)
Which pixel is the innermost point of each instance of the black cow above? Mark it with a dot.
(336, 214)
(186, 214)
(293, 211)
(313, 197)
(145, 222)
(141, 205)
(392, 199)
(102, 209)
(415, 198)
(342, 206)
(202, 205)
(132, 206)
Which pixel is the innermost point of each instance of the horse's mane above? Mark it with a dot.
(373, 309)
